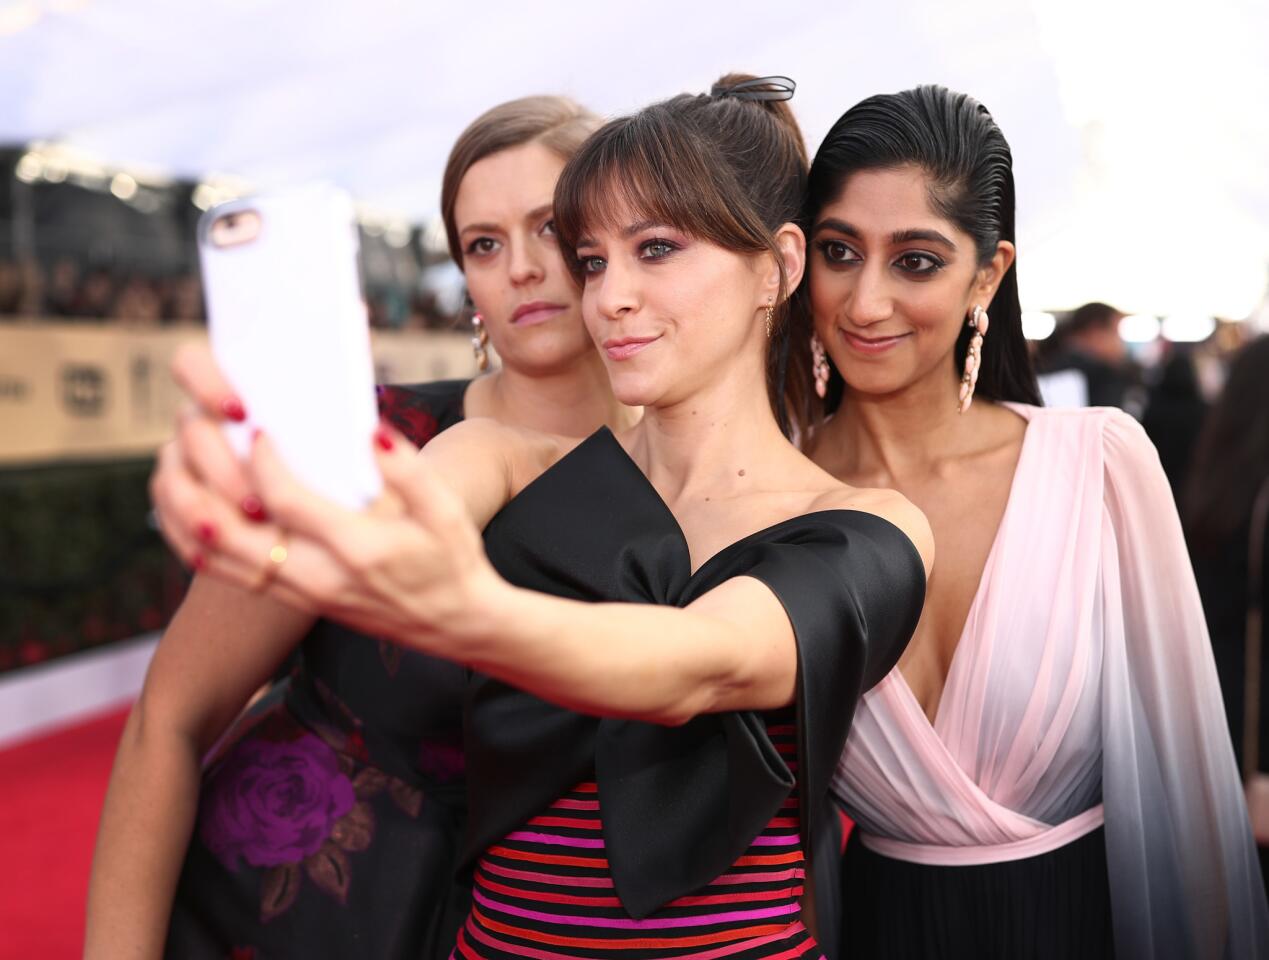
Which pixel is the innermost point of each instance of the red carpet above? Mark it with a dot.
(51, 790)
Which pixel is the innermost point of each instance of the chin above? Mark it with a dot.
(547, 355)
(634, 389)
(873, 382)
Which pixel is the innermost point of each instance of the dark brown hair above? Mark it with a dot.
(1231, 458)
(723, 169)
(558, 123)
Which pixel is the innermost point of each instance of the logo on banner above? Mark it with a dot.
(84, 390)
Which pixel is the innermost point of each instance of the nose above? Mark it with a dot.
(613, 292)
(526, 264)
(870, 300)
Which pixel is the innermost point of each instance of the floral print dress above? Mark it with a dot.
(329, 819)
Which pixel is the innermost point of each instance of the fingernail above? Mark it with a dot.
(254, 509)
(256, 434)
(198, 562)
(384, 439)
(233, 409)
(206, 533)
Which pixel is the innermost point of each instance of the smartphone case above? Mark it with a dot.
(289, 329)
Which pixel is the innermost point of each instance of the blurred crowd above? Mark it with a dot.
(1205, 406)
(67, 290)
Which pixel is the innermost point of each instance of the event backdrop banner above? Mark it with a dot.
(79, 391)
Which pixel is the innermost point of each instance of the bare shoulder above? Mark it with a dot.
(889, 505)
(482, 443)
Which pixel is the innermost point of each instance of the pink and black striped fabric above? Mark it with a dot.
(546, 892)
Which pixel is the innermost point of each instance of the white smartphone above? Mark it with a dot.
(289, 329)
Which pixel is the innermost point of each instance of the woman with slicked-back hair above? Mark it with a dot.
(327, 822)
(668, 625)
(1047, 771)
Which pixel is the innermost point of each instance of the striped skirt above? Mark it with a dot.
(546, 892)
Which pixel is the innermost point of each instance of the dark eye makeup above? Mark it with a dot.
(915, 263)
(481, 246)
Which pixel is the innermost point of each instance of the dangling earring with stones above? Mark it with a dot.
(770, 319)
(819, 366)
(978, 322)
(479, 342)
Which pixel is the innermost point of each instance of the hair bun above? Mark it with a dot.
(769, 94)
(745, 87)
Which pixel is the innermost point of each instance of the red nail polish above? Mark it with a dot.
(384, 439)
(206, 533)
(198, 562)
(233, 409)
(254, 508)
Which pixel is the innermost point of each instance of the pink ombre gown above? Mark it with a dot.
(1080, 747)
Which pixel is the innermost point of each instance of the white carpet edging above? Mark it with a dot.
(40, 699)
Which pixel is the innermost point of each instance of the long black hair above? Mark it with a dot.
(953, 138)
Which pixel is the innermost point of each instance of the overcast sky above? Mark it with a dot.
(1140, 136)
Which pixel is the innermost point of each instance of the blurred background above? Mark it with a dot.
(1140, 139)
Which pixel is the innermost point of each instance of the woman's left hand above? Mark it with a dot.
(412, 567)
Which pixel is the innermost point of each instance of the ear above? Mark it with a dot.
(791, 243)
(987, 280)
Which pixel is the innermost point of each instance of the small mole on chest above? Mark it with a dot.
(740, 473)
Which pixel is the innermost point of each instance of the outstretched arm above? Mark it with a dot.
(419, 575)
(413, 568)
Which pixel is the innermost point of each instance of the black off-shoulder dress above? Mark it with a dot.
(600, 837)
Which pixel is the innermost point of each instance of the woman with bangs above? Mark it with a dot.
(1047, 772)
(669, 625)
(326, 824)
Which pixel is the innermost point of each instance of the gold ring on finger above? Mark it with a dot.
(277, 556)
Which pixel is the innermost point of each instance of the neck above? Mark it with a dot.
(886, 438)
(696, 448)
(574, 402)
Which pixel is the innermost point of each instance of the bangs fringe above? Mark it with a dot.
(637, 169)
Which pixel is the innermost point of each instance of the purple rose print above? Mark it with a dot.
(274, 803)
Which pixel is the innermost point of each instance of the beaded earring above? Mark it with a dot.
(819, 366)
(479, 342)
(978, 322)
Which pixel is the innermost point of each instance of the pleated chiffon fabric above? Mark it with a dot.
(1082, 702)
(677, 809)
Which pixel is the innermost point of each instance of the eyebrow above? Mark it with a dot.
(538, 211)
(898, 237)
(639, 227)
(494, 228)
(480, 227)
(627, 232)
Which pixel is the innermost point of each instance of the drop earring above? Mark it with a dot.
(480, 342)
(978, 322)
(819, 366)
(770, 319)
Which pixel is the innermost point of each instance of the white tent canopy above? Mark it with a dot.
(1140, 134)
